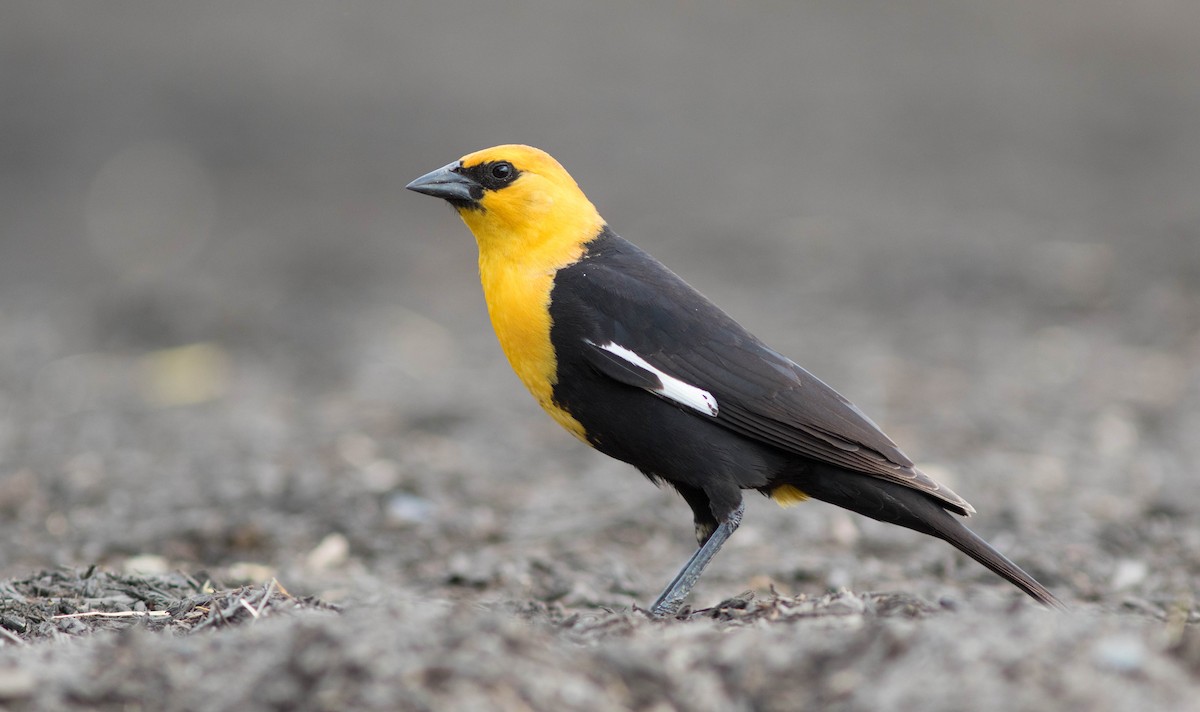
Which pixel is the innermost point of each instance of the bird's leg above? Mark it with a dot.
(669, 601)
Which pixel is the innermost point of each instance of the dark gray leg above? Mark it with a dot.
(671, 598)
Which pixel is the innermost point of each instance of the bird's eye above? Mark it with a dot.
(502, 171)
(494, 176)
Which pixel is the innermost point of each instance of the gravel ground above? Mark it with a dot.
(251, 410)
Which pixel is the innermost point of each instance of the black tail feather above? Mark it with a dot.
(970, 543)
(895, 504)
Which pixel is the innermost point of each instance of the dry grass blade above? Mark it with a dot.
(113, 614)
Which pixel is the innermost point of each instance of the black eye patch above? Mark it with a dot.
(492, 175)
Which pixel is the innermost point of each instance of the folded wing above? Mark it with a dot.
(655, 332)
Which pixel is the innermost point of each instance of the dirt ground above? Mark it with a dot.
(259, 449)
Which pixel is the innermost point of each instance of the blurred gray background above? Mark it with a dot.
(232, 345)
(178, 156)
(980, 220)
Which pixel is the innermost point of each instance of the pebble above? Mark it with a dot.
(332, 552)
(15, 684)
(146, 565)
(1120, 653)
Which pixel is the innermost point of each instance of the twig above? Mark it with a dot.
(11, 636)
(248, 607)
(266, 599)
(222, 615)
(282, 590)
(113, 614)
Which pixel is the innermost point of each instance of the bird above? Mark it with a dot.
(633, 361)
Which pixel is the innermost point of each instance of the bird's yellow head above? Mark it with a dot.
(518, 201)
(530, 219)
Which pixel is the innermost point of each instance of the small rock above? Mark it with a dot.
(16, 684)
(332, 552)
(249, 572)
(381, 476)
(1120, 653)
(404, 508)
(1128, 573)
(146, 565)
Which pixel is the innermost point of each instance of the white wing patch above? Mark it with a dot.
(672, 388)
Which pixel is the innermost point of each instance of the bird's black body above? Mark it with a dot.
(616, 294)
(776, 423)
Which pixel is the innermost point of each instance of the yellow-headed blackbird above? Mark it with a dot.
(636, 363)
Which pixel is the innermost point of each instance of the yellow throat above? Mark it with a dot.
(526, 232)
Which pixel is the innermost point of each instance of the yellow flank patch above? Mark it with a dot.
(787, 496)
(526, 232)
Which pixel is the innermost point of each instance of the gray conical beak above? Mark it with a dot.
(448, 184)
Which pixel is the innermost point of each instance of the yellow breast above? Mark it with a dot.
(518, 302)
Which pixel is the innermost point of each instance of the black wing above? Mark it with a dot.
(639, 305)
